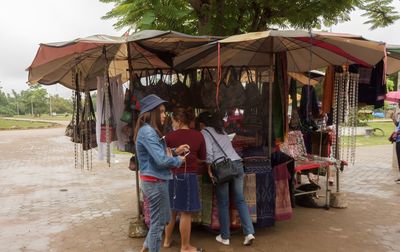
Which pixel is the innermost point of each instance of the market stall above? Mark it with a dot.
(244, 76)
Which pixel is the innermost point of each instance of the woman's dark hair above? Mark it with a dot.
(213, 120)
(184, 115)
(152, 118)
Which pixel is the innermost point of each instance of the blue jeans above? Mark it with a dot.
(160, 214)
(222, 191)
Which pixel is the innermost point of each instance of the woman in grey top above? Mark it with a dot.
(213, 124)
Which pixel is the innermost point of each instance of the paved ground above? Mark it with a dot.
(48, 205)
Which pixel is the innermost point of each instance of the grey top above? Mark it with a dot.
(213, 151)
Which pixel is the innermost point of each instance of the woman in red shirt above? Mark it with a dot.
(184, 187)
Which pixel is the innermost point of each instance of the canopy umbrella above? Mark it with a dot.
(56, 62)
(393, 96)
(162, 44)
(393, 60)
(305, 50)
(150, 49)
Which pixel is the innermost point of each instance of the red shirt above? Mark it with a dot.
(197, 144)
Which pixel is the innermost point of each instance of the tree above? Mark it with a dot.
(61, 105)
(5, 108)
(227, 17)
(34, 100)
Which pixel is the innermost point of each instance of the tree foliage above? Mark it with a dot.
(227, 17)
(34, 99)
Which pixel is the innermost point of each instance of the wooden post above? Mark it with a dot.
(271, 86)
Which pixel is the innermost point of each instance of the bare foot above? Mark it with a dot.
(167, 244)
(191, 249)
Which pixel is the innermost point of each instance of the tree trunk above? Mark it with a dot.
(202, 9)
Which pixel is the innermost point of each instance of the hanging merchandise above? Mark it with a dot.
(87, 125)
(231, 91)
(280, 93)
(209, 89)
(108, 130)
(127, 114)
(252, 106)
(179, 93)
(372, 86)
(345, 108)
(252, 93)
(327, 99)
(72, 129)
(156, 84)
(195, 91)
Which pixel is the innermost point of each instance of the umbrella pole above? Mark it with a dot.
(271, 72)
(137, 227)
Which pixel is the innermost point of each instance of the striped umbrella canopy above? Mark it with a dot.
(305, 50)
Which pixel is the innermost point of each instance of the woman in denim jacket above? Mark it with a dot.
(212, 128)
(155, 162)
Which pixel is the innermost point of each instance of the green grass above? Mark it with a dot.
(377, 138)
(14, 124)
(47, 117)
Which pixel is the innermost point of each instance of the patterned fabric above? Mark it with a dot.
(283, 207)
(250, 194)
(294, 146)
(265, 189)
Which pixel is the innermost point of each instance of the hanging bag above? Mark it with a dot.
(111, 128)
(222, 168)
(252, 93)
(87, 126)
(208, 89)
(127, 114)
(195, 90)
(157, 85)
(180, 93)
(72, 129)
(232, 93)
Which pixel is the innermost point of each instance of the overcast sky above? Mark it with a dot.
(26, 23)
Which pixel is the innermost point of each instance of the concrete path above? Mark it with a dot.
(48, 205)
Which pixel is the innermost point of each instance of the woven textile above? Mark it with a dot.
(250, 194)
(265, 189)
(283, 207)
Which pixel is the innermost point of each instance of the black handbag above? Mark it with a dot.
(222, 168)
(392, 138)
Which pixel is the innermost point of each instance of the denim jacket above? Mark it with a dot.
(151, 154)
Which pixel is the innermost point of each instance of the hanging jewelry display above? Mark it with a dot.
(335, 146)
(81, 131)
(353, 110)
(74, 119)
(345, 109)
(107, 113)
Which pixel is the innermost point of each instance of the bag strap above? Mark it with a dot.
(91, 107)
(216, 142)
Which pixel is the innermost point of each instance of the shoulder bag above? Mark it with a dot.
(222, 168)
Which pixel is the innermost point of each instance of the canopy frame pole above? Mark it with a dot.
(130, 69)
(271, 72)
(137, 227)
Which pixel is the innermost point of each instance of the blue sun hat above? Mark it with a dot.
(150, 102)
